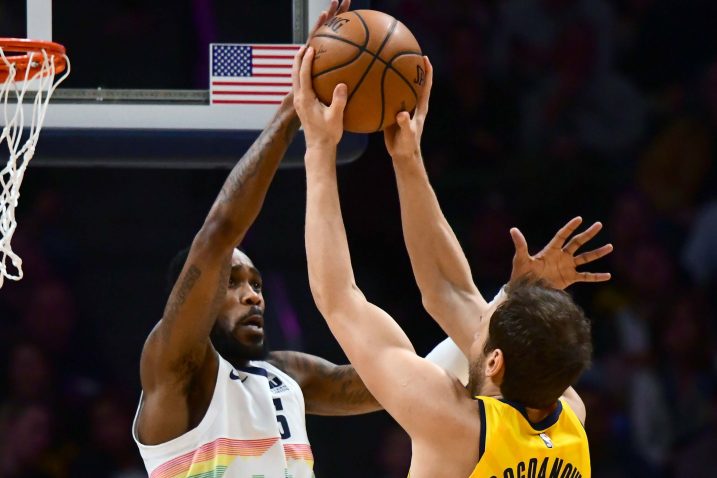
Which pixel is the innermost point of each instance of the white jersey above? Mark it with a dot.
(254, 428)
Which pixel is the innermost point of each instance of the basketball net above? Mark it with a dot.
(39, 73)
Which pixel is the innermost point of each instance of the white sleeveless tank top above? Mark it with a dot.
(254, 428)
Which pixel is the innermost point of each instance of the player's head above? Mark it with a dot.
(536, 345)
(238, 332)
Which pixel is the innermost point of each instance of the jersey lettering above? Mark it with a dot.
(281, 419)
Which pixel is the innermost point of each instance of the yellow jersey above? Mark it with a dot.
(512, 447)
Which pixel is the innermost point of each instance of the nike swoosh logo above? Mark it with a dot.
(234, 376)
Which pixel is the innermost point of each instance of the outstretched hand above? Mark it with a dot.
(403, 138)
(557, 263)
(323, 125)
(336, 7)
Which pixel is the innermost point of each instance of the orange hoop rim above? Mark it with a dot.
(30, 48)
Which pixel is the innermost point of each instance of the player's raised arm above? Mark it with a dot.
(178, 349)
(181, 339)
(191, 309)
(439, 264)
(403, 383)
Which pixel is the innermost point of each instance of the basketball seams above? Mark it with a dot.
(375, 57)
(365, 26)
(389, 66)
(361, 48)
(383, 99)
(377, 80)
(347, 63)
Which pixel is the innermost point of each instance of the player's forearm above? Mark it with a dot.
(344, 394)
(436, 255)
(439, 264)
(329, 389)
(330, 273)
(243, 193)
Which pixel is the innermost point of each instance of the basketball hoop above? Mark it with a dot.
(27, 68)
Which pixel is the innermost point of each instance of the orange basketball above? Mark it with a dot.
(377, 58)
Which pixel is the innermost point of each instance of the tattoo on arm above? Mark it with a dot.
(222, 286)
(179, 297)
(243, 171)
(351, 389)
(276, 139)
(329, 389)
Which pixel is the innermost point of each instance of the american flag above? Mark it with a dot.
(250, 74)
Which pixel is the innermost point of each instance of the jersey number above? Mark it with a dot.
(283, 424)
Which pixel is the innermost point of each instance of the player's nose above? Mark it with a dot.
(250, 297)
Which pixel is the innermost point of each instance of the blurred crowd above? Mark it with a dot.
(541, 110)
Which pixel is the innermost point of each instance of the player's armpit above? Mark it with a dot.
(329, 389)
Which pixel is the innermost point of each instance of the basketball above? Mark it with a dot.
(378, 59)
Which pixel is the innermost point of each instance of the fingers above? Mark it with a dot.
(338, 102)
(521, 245)
(345, 5)
(333, 10)
(422, 106)
(403, 119)
(562, 235)
(319, 22)
(333, 6)
(587, 257)
(576, 242)
(593, 277)
(305, 82)
(295, 80)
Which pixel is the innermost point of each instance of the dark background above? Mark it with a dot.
(541, 110)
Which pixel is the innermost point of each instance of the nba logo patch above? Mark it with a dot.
(546, 439)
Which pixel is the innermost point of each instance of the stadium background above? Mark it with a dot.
(541, 110)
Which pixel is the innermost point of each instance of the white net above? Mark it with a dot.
(38, 79)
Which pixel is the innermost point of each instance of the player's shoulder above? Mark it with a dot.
(575, 404)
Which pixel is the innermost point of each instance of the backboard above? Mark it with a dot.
(139, 91)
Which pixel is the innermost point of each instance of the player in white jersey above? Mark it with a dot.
(211, 406)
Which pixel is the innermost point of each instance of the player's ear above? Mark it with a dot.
(495, 364)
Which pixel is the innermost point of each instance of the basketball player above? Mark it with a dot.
(519, 416)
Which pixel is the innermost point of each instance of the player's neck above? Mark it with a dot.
(236, 362)
(239, 363)
(490, 389)
(536, 415)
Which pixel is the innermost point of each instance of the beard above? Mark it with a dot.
(235, 351)
(476, 376)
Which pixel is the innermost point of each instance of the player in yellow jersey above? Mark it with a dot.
(519, 416)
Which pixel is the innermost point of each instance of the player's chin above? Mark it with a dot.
(250, 335)
(254, 350)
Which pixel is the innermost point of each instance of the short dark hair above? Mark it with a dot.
(545, 339)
